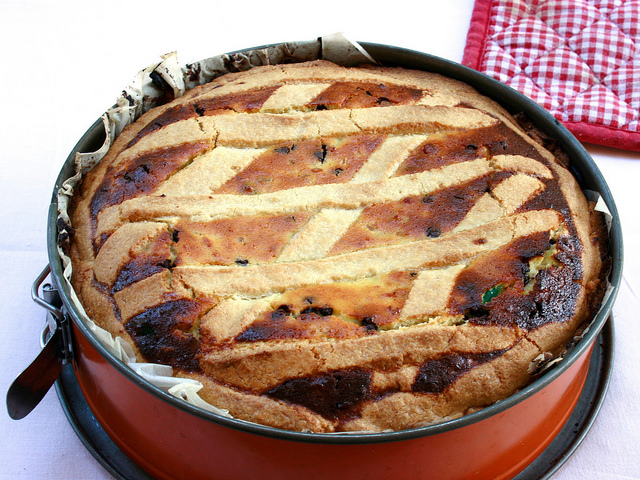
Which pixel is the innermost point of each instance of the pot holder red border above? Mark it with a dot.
(579, 59)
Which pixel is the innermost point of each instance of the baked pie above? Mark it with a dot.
(337, 249)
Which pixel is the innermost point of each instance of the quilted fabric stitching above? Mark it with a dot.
(578, 59)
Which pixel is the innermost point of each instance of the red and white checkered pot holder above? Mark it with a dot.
(579, 59)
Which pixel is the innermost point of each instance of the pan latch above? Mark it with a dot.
(56, 319)
(57, 349)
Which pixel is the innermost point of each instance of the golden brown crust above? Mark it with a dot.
(332, 249)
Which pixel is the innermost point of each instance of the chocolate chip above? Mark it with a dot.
(281, 312)
(433, 232)
(338, 171)
(284, 308)
(322, 311)
(175, 236)
(276, 315)
(283, 150)
(321, 154)
(428, 199)
(369, 324)
(137, 174)
(242, 261)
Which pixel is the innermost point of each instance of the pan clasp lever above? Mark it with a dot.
(35, 381)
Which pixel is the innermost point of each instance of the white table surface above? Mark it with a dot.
(63, 63)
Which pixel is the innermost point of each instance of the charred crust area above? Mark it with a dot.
(335, 395)
(138, 269)
(340, 394)
(436, 375)
(498, 290)
(163, 334)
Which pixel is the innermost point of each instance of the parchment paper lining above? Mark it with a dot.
(143, 94)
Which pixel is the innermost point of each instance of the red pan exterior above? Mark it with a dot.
(170, 443)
